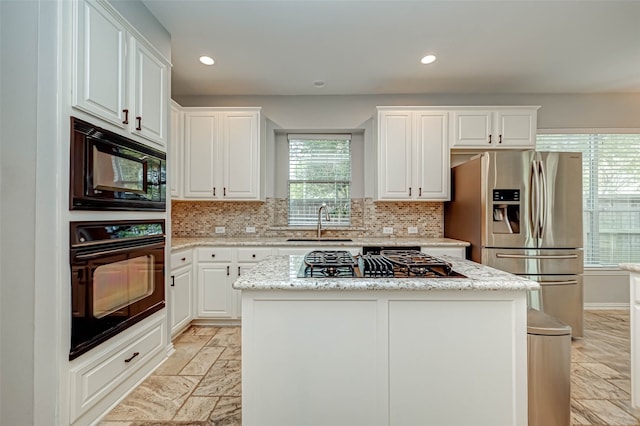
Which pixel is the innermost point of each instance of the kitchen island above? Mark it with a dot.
(383, 351)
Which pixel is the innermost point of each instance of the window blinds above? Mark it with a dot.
(611, 193)
(319, 172)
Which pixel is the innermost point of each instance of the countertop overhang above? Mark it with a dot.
(280, 273)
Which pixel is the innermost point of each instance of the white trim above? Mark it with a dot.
(605, 306)
(609, 271)
(586, 131)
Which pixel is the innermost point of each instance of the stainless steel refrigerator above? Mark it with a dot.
(522, 213)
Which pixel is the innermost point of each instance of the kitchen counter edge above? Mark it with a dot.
(179, 243)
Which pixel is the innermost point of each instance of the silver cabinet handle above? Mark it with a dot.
(569, 282)
(536, 256)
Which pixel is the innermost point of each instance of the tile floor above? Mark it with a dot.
(200, 383)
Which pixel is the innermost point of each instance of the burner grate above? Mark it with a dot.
(321, 263)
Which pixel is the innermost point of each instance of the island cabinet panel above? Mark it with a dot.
(328, 377)
(461, 348)
(385, 357)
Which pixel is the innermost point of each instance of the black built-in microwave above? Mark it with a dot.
(112, 172)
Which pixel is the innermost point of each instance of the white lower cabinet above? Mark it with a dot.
(215, 296)
(448, 251)
(101, 377)
(181, 291)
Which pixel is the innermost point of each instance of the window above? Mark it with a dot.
(611, 186)
(319, 172)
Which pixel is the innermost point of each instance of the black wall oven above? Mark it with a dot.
(117, 278)
(111, 172)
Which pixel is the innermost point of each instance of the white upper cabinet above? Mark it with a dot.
(413, 154)
(222, 154)
(176, 149)
(150, 93)
(118, 76)
(201, 155)
(100, 63)
(494, 128)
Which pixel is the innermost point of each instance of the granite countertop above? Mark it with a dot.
(280, 273)
(182, 243)
(631, 267)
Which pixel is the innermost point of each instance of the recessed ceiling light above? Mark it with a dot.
(428, 59)
(319, 83)
(207, 60)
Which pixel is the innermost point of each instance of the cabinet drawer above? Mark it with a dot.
(181, 258)
(253, 254)
(92, 380)
(214, 254)
(449, 251)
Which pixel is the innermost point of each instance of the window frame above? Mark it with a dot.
(336, 182)
(592, 213)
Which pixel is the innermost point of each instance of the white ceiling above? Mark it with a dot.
(374, 47)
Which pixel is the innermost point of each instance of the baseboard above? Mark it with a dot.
(606, 306)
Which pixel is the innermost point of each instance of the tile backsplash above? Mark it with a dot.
(269, 218)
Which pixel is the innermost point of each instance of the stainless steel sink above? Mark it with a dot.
(319, 239)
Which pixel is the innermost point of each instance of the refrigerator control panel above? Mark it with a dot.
(506, 195)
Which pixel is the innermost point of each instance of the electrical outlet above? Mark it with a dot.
(220, 230)
(250, 229)
(412, 230)
(387, 230)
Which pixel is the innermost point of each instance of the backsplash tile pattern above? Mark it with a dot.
(368, 218)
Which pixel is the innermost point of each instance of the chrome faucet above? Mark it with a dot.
(326, 216)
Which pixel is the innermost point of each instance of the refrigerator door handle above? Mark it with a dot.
(536, 256)
(544, 198)
(568, 282)
(533, 198)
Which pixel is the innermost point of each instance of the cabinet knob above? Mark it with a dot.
(139, 120)
(183, 259)
(253, 255)
(489, 138)
(213, 255)
(126, 116)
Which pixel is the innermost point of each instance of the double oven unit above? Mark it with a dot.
(117, 266)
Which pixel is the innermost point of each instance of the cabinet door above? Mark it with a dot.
(516, 128)
(473, 129)
(431, 162)
(99, 70)
(394, 155)
(149, 94)
(241, 156)
(215, 297)
(175, 151)
(201, 154)
(180, 294)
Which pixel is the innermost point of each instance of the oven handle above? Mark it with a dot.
(95, 255)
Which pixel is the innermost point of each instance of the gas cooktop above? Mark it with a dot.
(395, 263)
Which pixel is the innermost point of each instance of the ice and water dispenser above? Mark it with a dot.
(506, 211)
